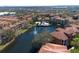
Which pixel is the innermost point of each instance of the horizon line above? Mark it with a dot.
(34, 5)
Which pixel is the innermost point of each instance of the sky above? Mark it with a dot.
(37, 2)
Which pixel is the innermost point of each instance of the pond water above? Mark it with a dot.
(24, 42)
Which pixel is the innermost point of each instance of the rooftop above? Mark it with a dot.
(68, 30)
(75, 25)
(8, 18)
(53, 48)
(60, 29)
(71, 30)
(59, 35)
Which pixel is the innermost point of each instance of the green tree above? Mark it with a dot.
(41, 39)
(10, 34)
(75, 43)
(7, 34)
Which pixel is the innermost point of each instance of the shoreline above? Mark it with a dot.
(21, 31)
(6, 45)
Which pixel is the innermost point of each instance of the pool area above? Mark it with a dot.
(24, 42)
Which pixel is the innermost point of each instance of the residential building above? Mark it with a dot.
(53, 48)
(60, 38)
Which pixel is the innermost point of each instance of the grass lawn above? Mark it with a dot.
(1, 46)
(77, 36)
(20, 31)
(76, 50)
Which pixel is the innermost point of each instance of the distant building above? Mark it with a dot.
(76, 17)
(18, 25)
(59, 21)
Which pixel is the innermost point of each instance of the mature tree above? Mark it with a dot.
(10, 34)
(6, 35)
(34, 18)
(41, 39)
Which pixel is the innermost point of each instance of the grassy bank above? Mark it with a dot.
(19, 32)
(3, 47)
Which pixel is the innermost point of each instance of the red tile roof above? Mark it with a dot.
(74, 25)
(60, 29)
(53, 48)
(71, 30)
(58, 18)
(59, 35)
(27, 16)
(9, 18)
(68, 30)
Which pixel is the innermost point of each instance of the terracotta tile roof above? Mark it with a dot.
(51, 14)
(71, 30)
(53, 48)
(60, 29)
(27, 16)
(4, 23)
(57, 17)
(74, 25)
(68, 30)
(9, 18)
(59, 35)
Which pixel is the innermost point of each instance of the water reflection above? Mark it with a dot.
(35, 31)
